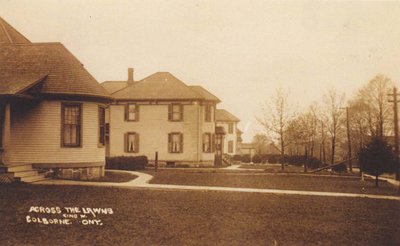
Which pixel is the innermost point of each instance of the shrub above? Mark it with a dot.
(257, 159)
(237, 158)
(273, 159)
(376, 158)
(246, 158)
(340, 168)
(126, 162)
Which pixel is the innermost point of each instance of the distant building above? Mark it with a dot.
(162, 114)
(51, 111)
(248, 149)
(239, 141)
(228, 122)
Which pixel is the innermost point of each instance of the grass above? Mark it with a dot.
(117, 177)
(274, 181)
(145, 217)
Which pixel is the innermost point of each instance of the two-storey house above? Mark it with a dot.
(228, 122)
(161, 114)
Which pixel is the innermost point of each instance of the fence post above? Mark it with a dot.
(156, 162)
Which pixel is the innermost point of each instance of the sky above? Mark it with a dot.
(241, 51)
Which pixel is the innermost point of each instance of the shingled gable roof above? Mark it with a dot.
(158, 86)
(223, 116)
(205, 93)
(113, 86)
(24, 64)
(8, 35)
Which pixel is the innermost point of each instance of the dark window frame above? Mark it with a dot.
(211, 137)
(230, 127)
(127, 112)
(209, 113)
(79, 133)
(102, 126)
(136, 150)
(170, 141)
(171, 112)
(230, 146)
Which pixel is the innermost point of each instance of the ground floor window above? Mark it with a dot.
(230, 146)
(132, 142)
(71, 121)
(208, 142)
(102, 126)
(175, 142)
(1, 124)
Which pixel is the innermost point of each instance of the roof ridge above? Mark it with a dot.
(31, 44)
(12, 35)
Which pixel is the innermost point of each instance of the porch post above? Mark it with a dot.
(6, 134)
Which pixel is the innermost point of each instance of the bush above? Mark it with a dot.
(376, 158)
(246, 159)
(339, 168)
(273, 159)
(237, 158)
(126, 162)
(257, 159)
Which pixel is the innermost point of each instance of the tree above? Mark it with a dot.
(374, 100)
(263, 145)
(376, 158)
(275, 118)
(333, 117)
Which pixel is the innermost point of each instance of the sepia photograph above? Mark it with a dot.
(199, 122)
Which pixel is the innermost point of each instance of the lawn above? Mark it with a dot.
(273, 181)
(149, 217)
(117, 177)
(273, 167)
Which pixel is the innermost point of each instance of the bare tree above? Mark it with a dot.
(275, 118)
(374, 100)
(333, 102)
(261, 143)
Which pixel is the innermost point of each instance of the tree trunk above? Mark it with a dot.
(306, 155)
(333, 150)
(376, 179)
(282, 153)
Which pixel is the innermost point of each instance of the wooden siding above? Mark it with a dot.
(153, 127)
(229, 137)
(36, 135)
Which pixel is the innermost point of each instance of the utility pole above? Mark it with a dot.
(348, 138)
(396, 131)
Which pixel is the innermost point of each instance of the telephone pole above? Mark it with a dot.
(348, 139)
(396, 131)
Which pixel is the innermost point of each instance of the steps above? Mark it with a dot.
(23, 173)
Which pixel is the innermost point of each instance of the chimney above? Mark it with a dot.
(130, 76)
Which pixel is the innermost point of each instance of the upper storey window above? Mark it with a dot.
(132, 112)
(209, 114)
(175, 112)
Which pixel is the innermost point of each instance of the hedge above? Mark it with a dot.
(127, 162)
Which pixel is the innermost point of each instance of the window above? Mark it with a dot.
(208, 142)
(107, 133)
(230, 147)
(175, 142)
(175, 112)
(102, 125)
(71, 120)
(230, 128)
(131, 142)
(209, 113)
(1, 124)
(132, 112)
